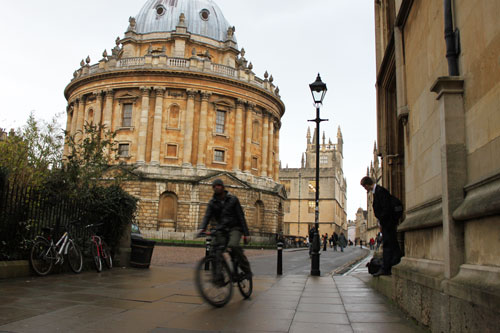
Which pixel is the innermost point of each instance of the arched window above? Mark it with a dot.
(167, 210)
(259, 215)
(90, 116)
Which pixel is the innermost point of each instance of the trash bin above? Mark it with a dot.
(142, 250)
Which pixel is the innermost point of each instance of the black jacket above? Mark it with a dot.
(382, 206)
(227, 213)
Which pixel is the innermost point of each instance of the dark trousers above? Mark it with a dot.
(391, 253)
(232, 241)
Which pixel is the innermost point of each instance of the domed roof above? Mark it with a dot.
(203, 17)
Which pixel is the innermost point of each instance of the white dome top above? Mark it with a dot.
(203, 17)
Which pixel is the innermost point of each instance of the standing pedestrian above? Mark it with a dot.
(335, 241)
(372, 243)
(342, 241)
(325, 241)
(386, 213)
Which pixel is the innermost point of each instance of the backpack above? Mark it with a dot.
(374, 265)
(397, 207)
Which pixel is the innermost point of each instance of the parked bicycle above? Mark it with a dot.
(215, 276)
(99, 249)
(45, 253)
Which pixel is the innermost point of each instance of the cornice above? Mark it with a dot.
(175, 73)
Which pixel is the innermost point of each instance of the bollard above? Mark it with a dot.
(280, 258)
(208, 241)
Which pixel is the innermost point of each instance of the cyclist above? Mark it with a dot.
(226, 209)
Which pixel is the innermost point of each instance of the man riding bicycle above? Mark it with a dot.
(226, 209)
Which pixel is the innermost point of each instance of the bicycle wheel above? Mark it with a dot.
(106, 255)
(96, 256)
(245, 284)
(75, 259)
(214, 284)
(42, 257)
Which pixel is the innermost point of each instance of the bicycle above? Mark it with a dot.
(45, 253)
(99, 248)
(215, 277)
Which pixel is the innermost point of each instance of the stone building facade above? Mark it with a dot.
(186, 107)
(300, 187)
(438, 89)
(361, 226)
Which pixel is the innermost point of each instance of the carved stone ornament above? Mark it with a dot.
(82, 63)
(271, 79)
(87, 60)
(117, 41)
(75, 74)
(105, 54)
(250, 66)
(242, 52)
(205, 95)
(266, 75)
(132, 23)
(230, 32)
(240, 102)
(182, 20)
(193, 52)
(277, 91)
(190, 93)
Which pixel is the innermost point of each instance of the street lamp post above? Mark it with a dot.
(318, 90)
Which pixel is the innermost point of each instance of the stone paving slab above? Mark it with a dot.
(164, 299)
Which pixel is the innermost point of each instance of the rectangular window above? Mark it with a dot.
(127, 115)
(171, 150)
(323, 159)
(220, 122)
(286, 184)
(219, 155)
(123, 149)
(255, 162)
(312, 206)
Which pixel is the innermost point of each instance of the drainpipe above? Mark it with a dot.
(452, 38)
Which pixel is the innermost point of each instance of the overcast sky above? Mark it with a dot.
(294, 40)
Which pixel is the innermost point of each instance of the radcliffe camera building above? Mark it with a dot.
(187, 108)
(300, 186)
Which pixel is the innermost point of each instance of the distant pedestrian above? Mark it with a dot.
(311, 238)
(342, 241)
(372, 243)
(379, 240)
(335, 241)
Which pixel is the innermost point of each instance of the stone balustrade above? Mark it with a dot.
(196, 65)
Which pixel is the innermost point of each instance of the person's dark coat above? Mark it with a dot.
(228, 214)
(382, 206)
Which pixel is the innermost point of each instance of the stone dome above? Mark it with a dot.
(202, 17)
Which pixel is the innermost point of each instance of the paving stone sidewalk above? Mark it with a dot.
(163, 299)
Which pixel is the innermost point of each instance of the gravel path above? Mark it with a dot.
(164, 255)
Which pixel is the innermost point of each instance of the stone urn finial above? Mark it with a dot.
(87, 60)
(271, 79)
(117, 41)
(182, 20)
(132, 23)
(242, 52)
(266, 75)
(82, 63)
(105, 54)
(250, 66)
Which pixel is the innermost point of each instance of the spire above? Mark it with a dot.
(303, 162)
(314, 137)
(339, 133)
(323, 138)
(308, 136)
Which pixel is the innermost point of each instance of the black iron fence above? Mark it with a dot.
(24, 211)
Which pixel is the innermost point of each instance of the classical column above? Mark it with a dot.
(81, 117)
(155, 151)
(98, 109)
(265, 139)
(237, 135)
(450, 92)
(248, 138)
(74, 116)
(108, 110)
(188, 131)
(270, 158)
(143, 127)
(202, 135)
(276, 153)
